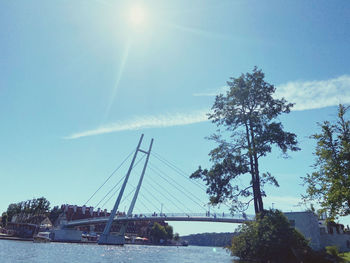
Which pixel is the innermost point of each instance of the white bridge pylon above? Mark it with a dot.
(106, 238)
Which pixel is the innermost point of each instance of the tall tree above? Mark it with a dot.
(13, 209)
(330, 183)
(36, 206)
(169, 232)
(158, 232)
(248, 115)
(4, 219)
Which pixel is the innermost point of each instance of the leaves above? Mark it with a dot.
(159, 232)
(269, 237)
(329, 185)
(36, 206)
(247, 114)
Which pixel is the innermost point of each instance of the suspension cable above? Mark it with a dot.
(109, 177)
(140, 199)
(151, 194)
(176, 169)
(110, 192)
(159, 172)
(117, 184)
(180, 172)
(147, 208)
(169, 194)
(173, 185)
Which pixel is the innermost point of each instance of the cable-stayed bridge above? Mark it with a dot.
(160, 191)
(195, 217)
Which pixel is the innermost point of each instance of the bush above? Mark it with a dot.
(332, 250)
(269, 238)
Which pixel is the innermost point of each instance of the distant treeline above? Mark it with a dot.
(209, 239)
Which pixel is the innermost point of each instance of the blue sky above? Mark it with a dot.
(81, 80)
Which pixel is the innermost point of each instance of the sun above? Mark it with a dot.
(137, 15)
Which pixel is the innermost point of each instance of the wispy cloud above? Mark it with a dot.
(199, 32)
(316, 94)
(307, 94)
(212, 93)
(146, 122)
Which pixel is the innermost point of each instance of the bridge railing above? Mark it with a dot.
(165, 215)
(209, 215)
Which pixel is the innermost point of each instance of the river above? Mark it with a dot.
(21, 251)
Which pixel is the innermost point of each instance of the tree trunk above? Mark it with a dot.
(256, 171)
(252, 172)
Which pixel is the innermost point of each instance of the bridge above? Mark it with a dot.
(239, 219)
(68, 230)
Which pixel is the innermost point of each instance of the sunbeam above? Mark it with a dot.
(119, 77)
(198, 32)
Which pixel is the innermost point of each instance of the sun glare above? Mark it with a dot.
(137, 15)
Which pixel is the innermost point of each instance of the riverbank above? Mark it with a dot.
(7, 237)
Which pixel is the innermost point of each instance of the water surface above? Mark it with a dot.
(19, 251)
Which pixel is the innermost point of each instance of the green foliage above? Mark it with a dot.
(54, 214)
(209, 239)
(268, 238)
(330, 183)
(4, 219)
(176, 237)
(158, 232)
(169, 232)
(36, 206)
(345, 256)
(247, 114)
(332, 250)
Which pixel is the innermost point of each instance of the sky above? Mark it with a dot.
(80, 81)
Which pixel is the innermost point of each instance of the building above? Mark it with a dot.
(320, 233)
(134, 228)
(27, 225)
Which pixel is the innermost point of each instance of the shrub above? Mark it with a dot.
(332, 250)
(269, 238)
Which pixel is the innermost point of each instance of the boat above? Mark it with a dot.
(42, 237)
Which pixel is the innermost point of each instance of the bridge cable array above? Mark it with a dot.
(139, 200)
(116, 191)
(159, 173)
(177, 170)
(160, 190)
(181, 172)
(109, 177)
(121, 179)
(165, 196)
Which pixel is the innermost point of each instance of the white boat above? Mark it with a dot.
(42, 237)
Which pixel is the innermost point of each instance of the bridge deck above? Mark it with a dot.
(102, 220)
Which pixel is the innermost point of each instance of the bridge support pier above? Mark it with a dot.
(110, 239)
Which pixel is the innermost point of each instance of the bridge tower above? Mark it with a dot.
(107, 238)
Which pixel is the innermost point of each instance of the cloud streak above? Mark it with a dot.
(146, 122)
(212, 93)
(307, 95)
(316, 94)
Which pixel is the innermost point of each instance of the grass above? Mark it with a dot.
(345, 256)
